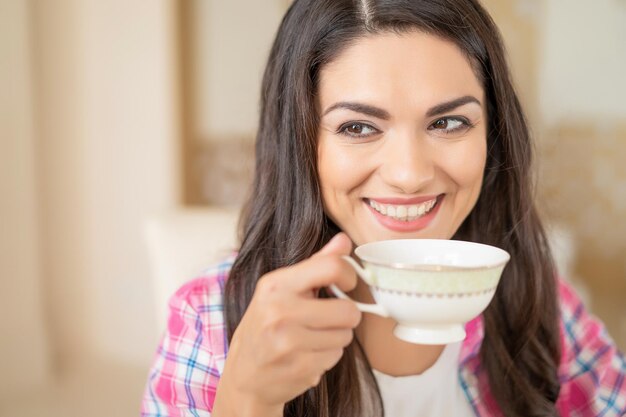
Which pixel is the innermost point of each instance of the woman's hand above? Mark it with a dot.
(288, 338)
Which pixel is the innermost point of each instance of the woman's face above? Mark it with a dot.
(402, 138)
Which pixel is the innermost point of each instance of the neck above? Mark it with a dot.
(385, 352)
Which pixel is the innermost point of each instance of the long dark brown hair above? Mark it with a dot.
(284, 220)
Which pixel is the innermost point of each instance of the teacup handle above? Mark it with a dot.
(367, 277)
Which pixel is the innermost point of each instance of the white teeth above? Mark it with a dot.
(404, 212)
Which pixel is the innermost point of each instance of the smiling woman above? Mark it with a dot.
(383, 119)
(402, 140)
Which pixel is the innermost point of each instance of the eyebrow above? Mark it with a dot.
(384, 115)
(451, 105)
(360, 108)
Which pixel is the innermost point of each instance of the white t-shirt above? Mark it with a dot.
(436, 392)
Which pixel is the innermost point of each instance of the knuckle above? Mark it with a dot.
(275, 320)
(275, 328)
(351, 313)
(267, 285)
(284, 346)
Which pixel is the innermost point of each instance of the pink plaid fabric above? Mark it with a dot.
(190, 359)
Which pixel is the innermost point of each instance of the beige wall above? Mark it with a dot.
(24, 360)
(90, 148)
(108, 152)
(519, 24)
(133, 163)
(59, 83)
(228, 56)
(583, 61)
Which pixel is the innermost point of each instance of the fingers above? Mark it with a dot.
(323, 340)
(330, 313)
(319, 271)
(298, 341)
(287, 339)
(322, 269)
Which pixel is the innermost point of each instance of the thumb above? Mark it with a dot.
(339, 244)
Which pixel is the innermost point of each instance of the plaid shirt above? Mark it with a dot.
(191, 357)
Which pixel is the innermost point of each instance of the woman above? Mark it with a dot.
(383, 119)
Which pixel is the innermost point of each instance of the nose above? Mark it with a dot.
(407, 163)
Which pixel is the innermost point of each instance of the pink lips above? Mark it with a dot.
(402, 226)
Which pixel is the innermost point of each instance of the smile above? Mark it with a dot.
(404, 212)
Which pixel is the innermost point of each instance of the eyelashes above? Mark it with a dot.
(450, 126)
(357, 130)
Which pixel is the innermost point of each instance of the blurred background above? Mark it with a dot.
(114, 112)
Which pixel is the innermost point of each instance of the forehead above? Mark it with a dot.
(390, 66)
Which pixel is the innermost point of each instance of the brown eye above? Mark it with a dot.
(441, 124)
(357, 130)
(449, 125)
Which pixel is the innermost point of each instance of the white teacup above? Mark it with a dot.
(430, 287)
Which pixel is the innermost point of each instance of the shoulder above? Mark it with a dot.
(578, 326)
(592, 370)
(200, 303)
(190, 358)
(581, 332)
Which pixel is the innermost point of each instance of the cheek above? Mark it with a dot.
(466, 166)
(338, 169)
